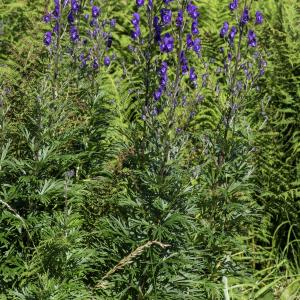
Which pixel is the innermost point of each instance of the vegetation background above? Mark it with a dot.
(85, 215)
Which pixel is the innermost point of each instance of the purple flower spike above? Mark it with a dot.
(167, 1)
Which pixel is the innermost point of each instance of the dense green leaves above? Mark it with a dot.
(95, 203)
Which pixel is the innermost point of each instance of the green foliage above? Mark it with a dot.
(96, 205)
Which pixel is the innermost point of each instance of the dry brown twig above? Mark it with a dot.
(127, 260)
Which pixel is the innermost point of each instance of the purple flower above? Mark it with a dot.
(56, 11)
(93, 22)
(193, 75)
(113, 23)
(167, 43)
(164, 68)
(109, 42)
(95, 64)
(83, 60)
(70, 18)
(189, 41)
(157, 28)
(157, 94)
(136, 33)
(259, 18)
(179, 19)
(194, 28)
(232, 34)
(224, 29)
(197, 45)
(107, 61)
(184, 63)
(163, 81)
(96, 11)
(81, 56)
(233, 5)
(166, 16)
(56, 27)
(48, 38)
(135, 19)
(252, 38)
(245, 17)
(74, 35)
(66, 2)
(47, 18)
(150, 4)
(75, 6)
(167, 1)
(263, 64)
(192, 11)
(139, 3)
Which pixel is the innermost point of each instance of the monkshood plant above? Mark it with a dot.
(167, 47)
(170, 36)
(80, 60)
(49, 146)
(80, 37)
(188, 206)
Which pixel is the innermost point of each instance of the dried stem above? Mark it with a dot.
(128, 260)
